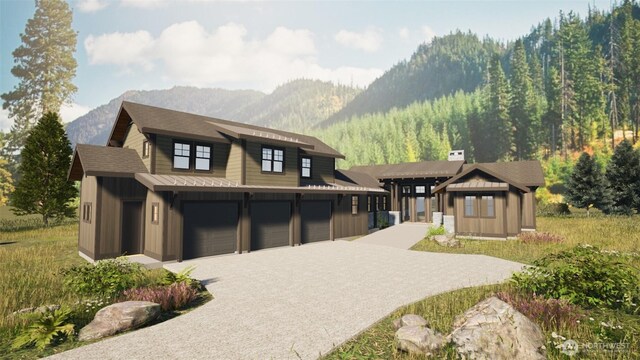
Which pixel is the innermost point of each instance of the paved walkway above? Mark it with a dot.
(297, 302)
(402, 236)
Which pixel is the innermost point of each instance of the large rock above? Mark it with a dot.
(418, 340)
(446, 240)
(492, 329)
(410, 320)
(119, 317)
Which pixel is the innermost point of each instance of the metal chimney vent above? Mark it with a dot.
(456, 155)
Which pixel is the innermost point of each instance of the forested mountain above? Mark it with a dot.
(571, 84)
(296, 106)
(451, 63)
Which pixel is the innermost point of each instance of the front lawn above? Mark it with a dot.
(597, 324)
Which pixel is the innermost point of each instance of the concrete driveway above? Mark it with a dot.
(297, 302)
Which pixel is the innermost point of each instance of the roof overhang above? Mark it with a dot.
(476, 167)
(478, 186)
(210, 184)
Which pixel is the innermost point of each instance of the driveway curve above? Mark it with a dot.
(297, 302)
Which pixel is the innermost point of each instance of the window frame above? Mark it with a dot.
(195, 157)
(272, 160)
(155, 213)
(86, 212)
(355, 203)
(482, 207)
(384, 203)
(473, 206)
(424, 189)
(302, 167)
(146, 149)
(173, 155)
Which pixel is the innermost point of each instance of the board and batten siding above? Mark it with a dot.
(154, 233)
(164, 158)
(134, 140)
(529, 210)
(87, 230)
(479, 226)
(234, 164)
(253, 167)
(322, 170)
(345, 223)
(113, 191)
(513, 212)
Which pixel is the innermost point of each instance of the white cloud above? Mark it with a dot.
(368, 40)
(120, 49)
(404, 33)
(70, 112)
(90, 6)
(5, 122)
(188, 54)
(428, 34)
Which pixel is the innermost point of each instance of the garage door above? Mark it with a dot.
(315, 219)
(269, 224)
(209, 229)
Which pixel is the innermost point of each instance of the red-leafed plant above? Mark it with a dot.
(548, 313)
(539, 238)
(172, 297)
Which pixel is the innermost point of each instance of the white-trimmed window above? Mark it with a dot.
(272, 160)
(181, 155)
(203, 157)
(305, 167)
(421, 189)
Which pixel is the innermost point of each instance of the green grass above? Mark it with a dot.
(610, 233)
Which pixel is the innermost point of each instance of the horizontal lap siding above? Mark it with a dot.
(234, 164)
(134, 140)
(255, 176)
(164, 158)
(322, 170)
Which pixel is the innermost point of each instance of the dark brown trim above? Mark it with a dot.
(98, 217)
(146, 148)
(494, 196)
(153, 149)
(243, 162)
(195, 157)
(273, 149)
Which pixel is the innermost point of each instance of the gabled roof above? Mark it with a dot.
(156, 182)
(95, 160)
(481, 168)
(527, 173)
(155, 120)
(354, 178)
(424, 169)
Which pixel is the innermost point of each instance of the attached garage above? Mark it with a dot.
(210, 228)
(315, 221)
(270, 224)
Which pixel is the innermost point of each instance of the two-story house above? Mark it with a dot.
(174, 186)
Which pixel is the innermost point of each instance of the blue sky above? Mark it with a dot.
(157, 44)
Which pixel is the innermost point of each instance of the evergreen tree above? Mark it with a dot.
(43, 187)
(522, 109)
(496, 123)
(585, 186)
(45, 67)
(623, 175)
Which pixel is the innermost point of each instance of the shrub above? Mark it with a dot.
(172, 297)
(435, 231)
(184, 276)
(549, 313)
(106, 278)
(49, 329)
(553, 209)
(584, 276)
(531, 237)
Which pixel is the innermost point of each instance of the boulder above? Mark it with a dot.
(119, 317)
(39, 309)
(446, 240)
(410, 320)
(493, 329)
(418, 340)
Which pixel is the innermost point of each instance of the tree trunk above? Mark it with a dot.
(45, 220)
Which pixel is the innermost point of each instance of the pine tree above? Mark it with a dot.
(585, 186)
(522, 109)
(496, 123)
(623, 174)
(43, 187)
(45, 67)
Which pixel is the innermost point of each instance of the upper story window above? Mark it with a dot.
(181, 155)
(305, 167)
(145, 149)
(272, 160)
(203, 157)
(354, 204)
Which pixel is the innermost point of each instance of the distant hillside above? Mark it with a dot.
(296, 106)
(451, 63)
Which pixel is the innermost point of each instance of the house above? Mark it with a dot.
(492, 200)
(177, 186)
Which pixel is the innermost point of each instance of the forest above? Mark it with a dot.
(571, 85)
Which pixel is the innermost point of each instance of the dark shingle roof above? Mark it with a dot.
(527, 173)
(354, 178)
(95, 160)
(151, 119)
(412, 170)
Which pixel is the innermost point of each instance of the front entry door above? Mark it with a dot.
(406, 203)
(132, 227)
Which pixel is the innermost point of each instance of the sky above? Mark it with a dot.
(157, 44)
